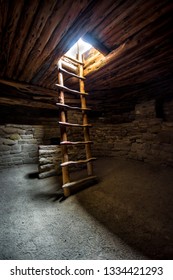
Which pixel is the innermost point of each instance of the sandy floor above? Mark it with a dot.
(127, 215)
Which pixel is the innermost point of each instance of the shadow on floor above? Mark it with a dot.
(32, 175)
(134, 201)
(49, 196)
(50, 189)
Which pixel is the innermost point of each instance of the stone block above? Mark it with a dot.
(124, 132)
(164, 137)
(122, 146)
(45, 160)
(29, 147)
(17, 162)
(33, 154)
(167, 148)
(2, 153)
(145, 109)
(119, 153)
(4, 148)
(29, 131)
(44, 152)
(15, 136)
(155, 152)
(13, 130)
(132, 155)
(8, 142)
(16, 157)
(29, 136)
(135, 146)
(148, 136)
(166, 156)
(15, 149)
(28, 141)
(2, 133)
(6, 160)
(46, 167)
(30, 160)
(155, 128)
(168, 124)
(50, 147)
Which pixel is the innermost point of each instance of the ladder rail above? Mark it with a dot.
(85, 118)
(65, 171)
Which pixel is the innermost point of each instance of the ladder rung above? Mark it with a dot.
(75, 143)
(70, 73)
(71, 90)
(71, 107)
(79, 184)
(77, 162)
(70, 66)
(73, 60)
(75, 124)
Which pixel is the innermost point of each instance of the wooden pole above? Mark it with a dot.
(64, 149)
(84, 115)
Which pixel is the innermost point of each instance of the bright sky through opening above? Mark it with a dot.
(83, 47)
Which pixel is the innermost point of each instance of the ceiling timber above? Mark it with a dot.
(35, 34)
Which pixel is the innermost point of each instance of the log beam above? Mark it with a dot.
(15, 93)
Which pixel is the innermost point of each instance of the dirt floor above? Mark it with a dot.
(127, 215)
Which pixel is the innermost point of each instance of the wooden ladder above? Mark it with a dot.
(68, 186)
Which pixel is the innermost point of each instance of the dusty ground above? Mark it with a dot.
(127, 215)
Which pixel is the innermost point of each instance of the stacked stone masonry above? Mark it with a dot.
(147, 138)
(19, 143)
(49, 160)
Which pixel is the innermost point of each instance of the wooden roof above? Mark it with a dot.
(35, 34)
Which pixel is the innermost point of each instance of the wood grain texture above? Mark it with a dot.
(35, 34)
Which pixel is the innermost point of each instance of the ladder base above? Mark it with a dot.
(72, 187)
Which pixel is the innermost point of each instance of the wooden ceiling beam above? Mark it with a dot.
(131, 55)
(61, 20)
(8, 31)
(135, 25)
(27, 88)
(22, 30)
(12, 93)
(89, 38)
(83, 23)
(40, 20)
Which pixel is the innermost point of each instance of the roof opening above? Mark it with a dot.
(82, 45)
(94, 54)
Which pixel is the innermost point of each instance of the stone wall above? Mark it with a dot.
(147, 135)
(49, 160)
(19, 143)
(147, 138)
